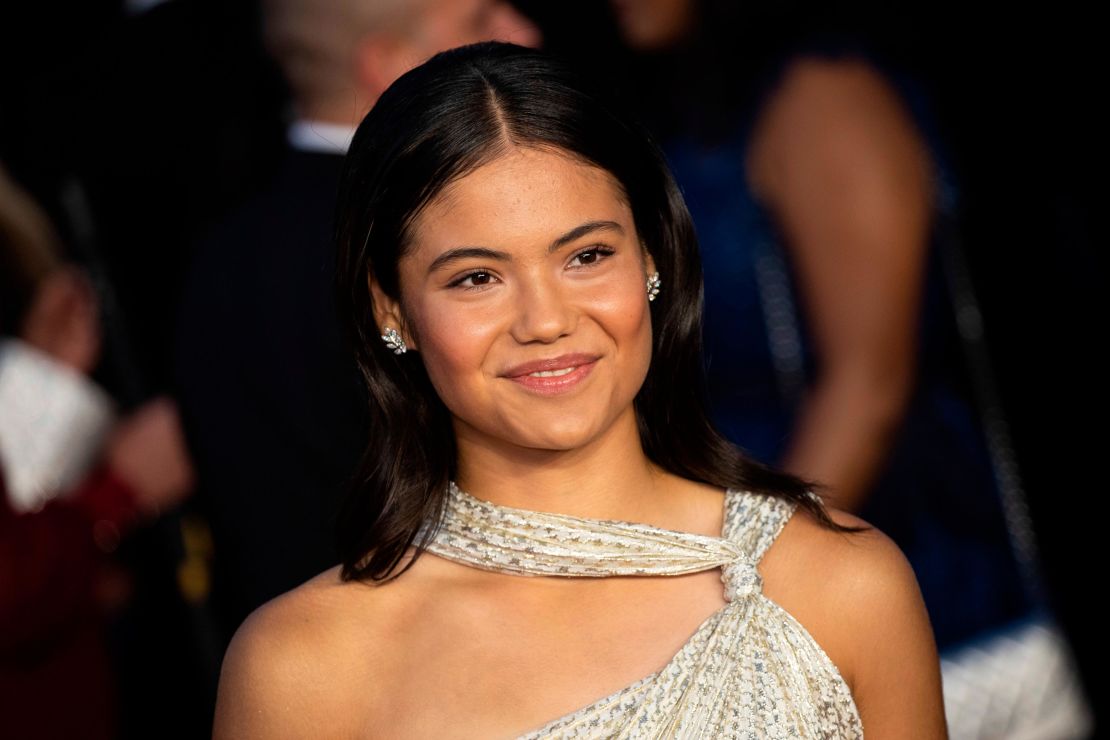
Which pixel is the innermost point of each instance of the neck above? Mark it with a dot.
(608, 477)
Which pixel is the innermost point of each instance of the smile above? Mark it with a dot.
(555, 382)
(552, 373)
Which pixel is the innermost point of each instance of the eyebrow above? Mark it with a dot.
(459, 253)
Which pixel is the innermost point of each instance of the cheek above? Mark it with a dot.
(641, 337)
(453, 346)
(624, 314)
(624, 298)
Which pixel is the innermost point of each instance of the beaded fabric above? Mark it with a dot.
(749, 671)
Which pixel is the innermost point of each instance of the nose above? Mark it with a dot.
(542, 313)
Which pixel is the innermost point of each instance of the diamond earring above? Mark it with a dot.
(653, 284)
(394, 341)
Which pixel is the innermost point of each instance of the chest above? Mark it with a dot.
(519, 656)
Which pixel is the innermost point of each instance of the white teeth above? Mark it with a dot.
(552, 373)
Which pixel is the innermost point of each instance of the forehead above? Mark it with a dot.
(522, 195)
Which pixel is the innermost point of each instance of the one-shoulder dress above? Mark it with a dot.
(750, 670)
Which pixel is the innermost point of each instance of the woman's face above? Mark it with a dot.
(531, 258)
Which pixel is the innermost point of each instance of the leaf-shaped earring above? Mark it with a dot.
(653, 284)
(394, 341)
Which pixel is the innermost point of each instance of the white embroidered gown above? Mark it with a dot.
(749, 671)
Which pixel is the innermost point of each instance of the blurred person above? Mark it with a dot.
(520, 280)
(74, 480)
(271, 400)
(832, 345)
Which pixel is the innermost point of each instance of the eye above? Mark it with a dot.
(593, 255)
(480, 279)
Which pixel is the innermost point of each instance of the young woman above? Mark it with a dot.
(521, 279)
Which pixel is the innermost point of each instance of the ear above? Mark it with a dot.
(388, 313)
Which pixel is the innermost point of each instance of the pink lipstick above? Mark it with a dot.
(554, 375)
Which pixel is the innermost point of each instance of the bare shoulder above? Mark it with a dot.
(859, 597)
(865, 564)
(830, 116)
(821, 79)
(849, 572)
(838, 91)
(300, 658)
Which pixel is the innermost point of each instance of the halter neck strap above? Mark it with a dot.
(525, 542)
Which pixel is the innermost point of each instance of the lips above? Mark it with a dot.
(554, 363)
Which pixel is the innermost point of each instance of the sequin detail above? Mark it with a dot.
(749, 671)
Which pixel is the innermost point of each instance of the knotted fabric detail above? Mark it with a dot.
(741, 579)
(526, 542)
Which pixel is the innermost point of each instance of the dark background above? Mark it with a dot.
(138, 133)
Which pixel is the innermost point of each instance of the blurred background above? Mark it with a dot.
(178, 415)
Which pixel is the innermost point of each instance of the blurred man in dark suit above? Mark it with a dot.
(271, 400)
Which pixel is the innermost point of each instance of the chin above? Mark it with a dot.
(534, 431)
(558, 436)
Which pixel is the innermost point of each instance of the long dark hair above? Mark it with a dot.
(435, 124)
